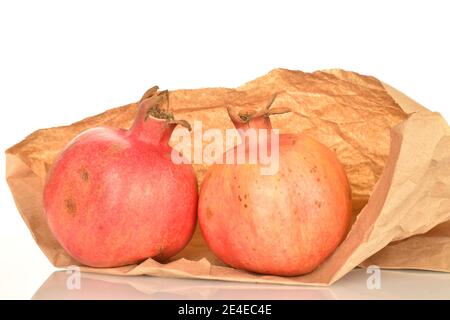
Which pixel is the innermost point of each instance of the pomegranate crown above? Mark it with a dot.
(156, 100)
(245, 116)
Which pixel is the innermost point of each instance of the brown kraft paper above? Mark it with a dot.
(396, 154)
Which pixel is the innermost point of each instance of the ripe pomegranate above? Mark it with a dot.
(114, 197)
(283, 224)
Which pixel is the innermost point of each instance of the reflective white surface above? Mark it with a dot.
(394, 285)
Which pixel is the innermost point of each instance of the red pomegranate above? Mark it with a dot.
(285, 223)
(114, 197)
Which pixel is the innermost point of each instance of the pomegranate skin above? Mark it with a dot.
(284, 224)
(114, 197)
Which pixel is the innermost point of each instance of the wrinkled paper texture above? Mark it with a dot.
(396, 154)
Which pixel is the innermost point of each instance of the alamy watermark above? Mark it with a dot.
(258, 146)
(374, 280)
(73, 281)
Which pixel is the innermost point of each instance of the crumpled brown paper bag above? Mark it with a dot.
(396, 154)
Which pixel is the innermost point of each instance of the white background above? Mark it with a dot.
(61, 61)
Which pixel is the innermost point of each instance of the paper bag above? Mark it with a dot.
(396, 154)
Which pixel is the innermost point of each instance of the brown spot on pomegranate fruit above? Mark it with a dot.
(84, 174)
(318, 203)
(70, 206)
(209, 213)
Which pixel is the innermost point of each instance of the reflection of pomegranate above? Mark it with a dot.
(114, 197)
(282, 224)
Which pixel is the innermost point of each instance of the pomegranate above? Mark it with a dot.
(114, 197)
(285, 223)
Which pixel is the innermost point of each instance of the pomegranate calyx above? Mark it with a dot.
(183, 123)
(246, 116)
(149, 93)
(154, 122)
(155, 111)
